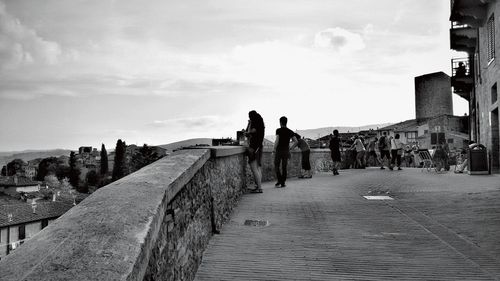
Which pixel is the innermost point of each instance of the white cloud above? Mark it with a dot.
(339, 39)
(21, 45)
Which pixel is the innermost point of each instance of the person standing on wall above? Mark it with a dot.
(335, 152)
(282, 151)
(255, 134)
(305, 172)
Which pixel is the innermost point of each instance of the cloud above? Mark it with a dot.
(189, 122)
(21, 45)
(339, 39)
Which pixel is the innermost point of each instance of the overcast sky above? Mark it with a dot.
(76, 72)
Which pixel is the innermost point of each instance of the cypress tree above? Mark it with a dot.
(119, 161)
(104, 160)
(74, 172)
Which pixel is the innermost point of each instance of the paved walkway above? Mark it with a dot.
(438, 227)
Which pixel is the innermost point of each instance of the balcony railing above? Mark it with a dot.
(462, 79)
(460, 67)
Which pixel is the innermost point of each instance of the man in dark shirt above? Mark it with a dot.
(255, 133)
(282, 151)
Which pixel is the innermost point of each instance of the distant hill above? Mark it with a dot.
(320, 132)
(27, 155)
(184, 143)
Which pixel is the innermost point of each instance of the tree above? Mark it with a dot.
(48, 166)
(119, 161)
(92, 178)
(74, 171)
(104, 160)
(15, 167)
(143, 157)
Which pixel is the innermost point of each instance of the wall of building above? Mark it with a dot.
(150, 225)
(489, 76)
(3, 242)
(433, 95)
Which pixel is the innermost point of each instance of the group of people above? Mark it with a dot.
(391, 149)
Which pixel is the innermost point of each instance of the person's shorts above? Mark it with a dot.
(255, 154)
(385, 153)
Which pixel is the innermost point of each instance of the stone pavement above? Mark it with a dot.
(438, 227)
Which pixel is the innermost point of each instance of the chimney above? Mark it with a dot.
(10, 217)
(16, 180)
(33, 206)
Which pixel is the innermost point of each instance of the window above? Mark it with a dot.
(494, 94)
(45, 222)
(22, 233)
(450, 141)
(437, 138)
(490, 46)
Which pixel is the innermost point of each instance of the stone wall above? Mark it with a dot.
(320, 159)
(151, 225)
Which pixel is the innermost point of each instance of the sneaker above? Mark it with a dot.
(399, 169)
(308, 177)
(257, 190)
(382, 168)
(301, 177)
(277, 184)
(283, 185)
(390, 168)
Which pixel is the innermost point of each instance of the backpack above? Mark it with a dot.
(382, 144)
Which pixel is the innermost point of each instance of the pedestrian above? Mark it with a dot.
(384, 150)
(282, 151)
(335, 152)
(396, 152)
(408, 156)
(360, 151)
(255, 134)
(371, 153)
(305, 172)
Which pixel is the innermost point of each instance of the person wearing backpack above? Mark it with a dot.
(384, 149)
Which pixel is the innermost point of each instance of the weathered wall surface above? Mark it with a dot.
(151, 225)
(433, 95)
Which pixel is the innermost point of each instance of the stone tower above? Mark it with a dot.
(433, 95)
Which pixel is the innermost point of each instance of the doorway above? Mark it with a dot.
(495, 141)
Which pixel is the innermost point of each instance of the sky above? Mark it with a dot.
(81, 73)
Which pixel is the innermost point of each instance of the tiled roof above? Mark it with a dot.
(23, 212)
(21, 181)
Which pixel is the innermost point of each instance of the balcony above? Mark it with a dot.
(470, 12)
(462, 78)
(463, 37)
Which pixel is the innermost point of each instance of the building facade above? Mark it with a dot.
(475, 31)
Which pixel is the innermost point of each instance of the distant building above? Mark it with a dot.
(14, 184)
(475, 30)
(19, 221)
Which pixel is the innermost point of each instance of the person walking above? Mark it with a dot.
(282, 151)
(372, 154)
(255, 134)
(396, 152)
(335, 151)
(384, 150)
(360, 151)
(305, 172)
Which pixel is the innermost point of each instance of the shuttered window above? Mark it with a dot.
(491, 38)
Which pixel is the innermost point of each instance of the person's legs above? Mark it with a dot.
(398, 160)
(284, 164)
(256, 173)
(277, 162)
(394, 154)
(306, 164)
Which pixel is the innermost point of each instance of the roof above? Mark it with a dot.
(402, 126)
(23, 212)
(21, 181)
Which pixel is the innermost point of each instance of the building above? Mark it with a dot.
(20, 221)
(475, 31)
(14, 184)
(434, 122)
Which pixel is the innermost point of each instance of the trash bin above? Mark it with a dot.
(478, 160)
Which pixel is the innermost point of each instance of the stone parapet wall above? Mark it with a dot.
(320, 159)
(151, 225)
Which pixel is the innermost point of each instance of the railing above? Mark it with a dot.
(457, 25)
(460, 67)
